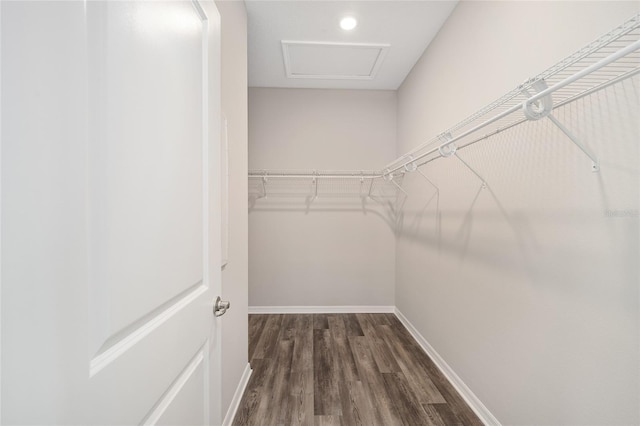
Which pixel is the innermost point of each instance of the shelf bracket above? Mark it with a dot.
(410, 166)
(448, 149)
(314, 181)
(264, 186)
(543, 108)
(428, 180)
(388, 176)
(595, 164)
(484, 182)
(370, 188)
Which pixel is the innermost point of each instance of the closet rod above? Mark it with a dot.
(254, 174)
(595, 67)
(560, 104)
(577, 76)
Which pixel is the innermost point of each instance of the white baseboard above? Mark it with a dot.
(321, 309)
(237, 396)
(471, 399)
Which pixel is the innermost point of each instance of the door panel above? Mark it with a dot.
(109, 217)
(146, 163)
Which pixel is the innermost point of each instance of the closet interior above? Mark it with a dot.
(505, 238)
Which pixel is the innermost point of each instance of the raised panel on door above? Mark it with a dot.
(145, 162)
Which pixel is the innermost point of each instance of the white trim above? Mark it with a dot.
(165, 401)
(237, 397)
(470, 398)
(321, 309)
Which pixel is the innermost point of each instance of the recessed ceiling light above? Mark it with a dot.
(348, 23)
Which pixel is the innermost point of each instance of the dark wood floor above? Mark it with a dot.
(344, 369)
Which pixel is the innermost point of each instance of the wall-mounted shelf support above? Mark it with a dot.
(542, 108)
(388, 176)
(264, 186)
(448, 149)
(484, 182)
(314, 181)
(428, 180)
(595, 164)
(411, 166)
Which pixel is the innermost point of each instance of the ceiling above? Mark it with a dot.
(300, 43)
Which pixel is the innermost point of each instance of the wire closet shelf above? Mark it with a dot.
(608, 60)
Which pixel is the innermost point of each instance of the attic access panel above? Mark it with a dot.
(334, 61)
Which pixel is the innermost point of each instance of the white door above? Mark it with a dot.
(110, 216)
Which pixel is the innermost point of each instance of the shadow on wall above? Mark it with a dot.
(526, 199)
(384, 210)
(373, 197)
(425, 228)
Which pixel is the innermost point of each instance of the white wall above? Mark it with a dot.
(334, 253)
(536, 311)
(234, 276)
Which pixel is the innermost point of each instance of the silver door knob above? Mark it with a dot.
(220, 307)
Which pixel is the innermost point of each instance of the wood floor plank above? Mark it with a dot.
(382, 354)
(344, 369)
(448, 417)
(350, 411)
(384, 359)
(303, 343)
(337, 326)
(326, 396)
(410, 411)
(458, 406)
(385, 413)
(434, 415)
(352, 325)
(347, 368)
(265, 407)
(301, 377)
(417, 376)
(279, 389)
(256, 325)
(386, 319)
(301, 382)
(448, 392)
(248, 407)
(366, 323)
(345, 360)
(357, 407)
(320, 321)
(300, 409)
(287, 327)
(328, 421)
(269, 337)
